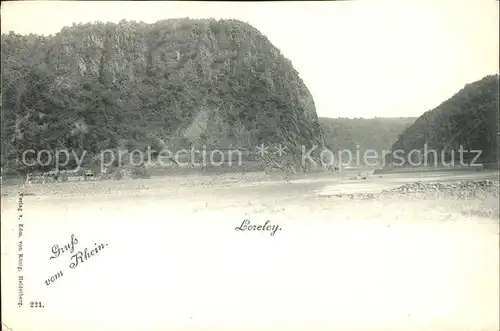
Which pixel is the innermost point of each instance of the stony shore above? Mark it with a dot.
(468, 189)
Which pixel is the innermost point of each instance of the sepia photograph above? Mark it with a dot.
(233, 165)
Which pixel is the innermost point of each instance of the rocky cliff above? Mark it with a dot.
(469, 119)
(175, 83)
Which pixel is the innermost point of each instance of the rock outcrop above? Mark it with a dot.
(467, 120)
(176, 83)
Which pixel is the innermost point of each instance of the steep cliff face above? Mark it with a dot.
(469, 119)
(182, 82)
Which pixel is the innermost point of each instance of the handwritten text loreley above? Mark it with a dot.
(246, 226)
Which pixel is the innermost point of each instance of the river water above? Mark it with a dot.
(174, 259)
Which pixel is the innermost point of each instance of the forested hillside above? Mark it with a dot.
(468, 119)
(175, 83)
(373, 133)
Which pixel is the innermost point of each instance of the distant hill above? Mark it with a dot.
(468, 119)
(175, 83)
(374, 133)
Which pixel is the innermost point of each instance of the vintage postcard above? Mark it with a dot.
(327, 165)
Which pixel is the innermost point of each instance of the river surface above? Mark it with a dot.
(174, 259)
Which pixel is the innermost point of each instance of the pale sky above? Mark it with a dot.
(361, 58)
